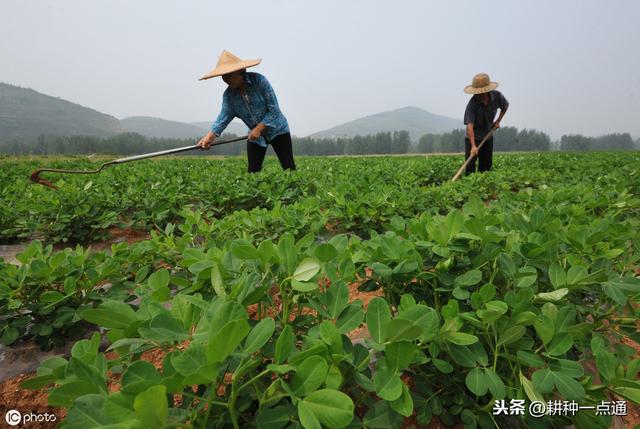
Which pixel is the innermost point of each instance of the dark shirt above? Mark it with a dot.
(482, 116)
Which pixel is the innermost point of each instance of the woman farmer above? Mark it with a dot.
(250, 97)
(479, 118)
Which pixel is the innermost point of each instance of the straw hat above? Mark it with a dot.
(480, 84)
(228, 63)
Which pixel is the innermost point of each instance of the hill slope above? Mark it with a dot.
(161, 128)
(412, 119)
(235, 127)
(25, 114)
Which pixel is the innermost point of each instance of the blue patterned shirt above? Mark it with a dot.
(258, 105)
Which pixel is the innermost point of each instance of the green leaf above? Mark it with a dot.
(399, 355)
(310, 375)
(350, 318)
(151, 406)
(462, 355)
(506, 264)
(556, 295)
(382, 416)
(285, 344)
(576, 275)
(243, 249)
(164, 328)
(477, 382)
(216, 281)
(567, 367)
(325, 252)
(111, 315)
(307, 418)
(304, 286)
(461, 338)
(495, 383)
(470, 278)
(442, 365)
(334, 378)
(560, 344)
(330, 335)
(9, 335)
(336, 299)
(159, 279)
(139, 376)
(273, 418)
(617, 294)
(39, 382)
(65, 394)
(453, 223)
(224, 341)
(51, 296)
(382, 270)
(378, 317)
(280, 369)
(526, 277)
(426, 318)
(530, 390)
(387, 383)
(332, 408)
(629, 284)
(402, 330)
(306, 270)
(87, 373)
(607, 364)
(493, 311)
(404, 404)
(557, 275)
(568, 387)
(543, 380)
(259, 335)
(92, 410)
(511, 335)
(545, 329)
(525, 318)
(629, 393)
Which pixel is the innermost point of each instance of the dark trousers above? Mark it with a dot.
(485, 156)
(281, 145)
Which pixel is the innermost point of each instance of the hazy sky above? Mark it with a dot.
(565, 66)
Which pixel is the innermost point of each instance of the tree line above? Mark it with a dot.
(397, 142)
(506, 139)
(608, 142)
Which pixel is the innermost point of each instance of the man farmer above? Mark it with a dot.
(479, 118)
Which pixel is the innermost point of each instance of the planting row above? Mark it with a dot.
(346, 195)
(507, 301)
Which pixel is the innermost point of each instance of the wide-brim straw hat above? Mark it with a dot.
(228, 63)
(480, 84)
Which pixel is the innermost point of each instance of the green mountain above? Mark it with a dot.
(412, 119)
(235, 127)
(26, 114)
(156, 127)
(163, 128)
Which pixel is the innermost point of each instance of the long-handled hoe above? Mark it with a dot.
(35, 176)
(472, 155)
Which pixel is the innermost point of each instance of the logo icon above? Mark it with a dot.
(13, 417)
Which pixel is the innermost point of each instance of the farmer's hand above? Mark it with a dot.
(474, 150)
(205, 142)
(496, 125)
(256, 132)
